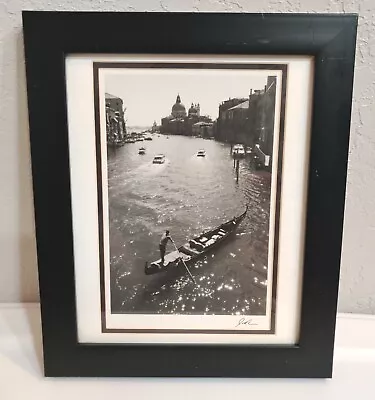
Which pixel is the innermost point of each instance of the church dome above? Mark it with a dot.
(178, 109)
(192, 109)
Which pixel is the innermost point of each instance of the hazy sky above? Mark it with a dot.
(148, 95)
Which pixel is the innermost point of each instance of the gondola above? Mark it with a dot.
(195, 248)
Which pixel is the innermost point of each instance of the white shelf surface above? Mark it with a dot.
(21, 375)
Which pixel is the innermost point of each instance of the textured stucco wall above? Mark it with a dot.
(18, 272)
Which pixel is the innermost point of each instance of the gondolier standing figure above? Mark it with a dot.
(163, 245)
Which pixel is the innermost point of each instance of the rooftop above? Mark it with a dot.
(111, 96)
(245, 104)
(203, 124)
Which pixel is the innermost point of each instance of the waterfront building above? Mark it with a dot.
(174, 123)
(203, 129)
(266, 122)
(250, 121)
(226, 129)
(178, 109)
(115, 119)
(194, 111)
(180, 122)
(154, 127)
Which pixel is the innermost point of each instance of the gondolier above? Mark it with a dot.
(163, 245)
(195, 248)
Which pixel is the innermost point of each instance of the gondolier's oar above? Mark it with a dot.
(183, 262)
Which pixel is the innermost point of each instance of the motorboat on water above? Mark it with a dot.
(159, 159)
(238, 150)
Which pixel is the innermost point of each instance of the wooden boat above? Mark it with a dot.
(195, 248)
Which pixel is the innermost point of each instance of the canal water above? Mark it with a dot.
(186, 195)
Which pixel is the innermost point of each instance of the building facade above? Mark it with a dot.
(115, 119)
(250, 121)
(155, 127)
(203, 129)
(226, 128)
(266, 123)
(180, 122)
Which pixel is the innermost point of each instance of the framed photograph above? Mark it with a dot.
(189, 206)
(189, 186)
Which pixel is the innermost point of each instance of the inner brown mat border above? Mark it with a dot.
(198, 65)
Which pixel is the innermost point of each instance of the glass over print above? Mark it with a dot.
(189, 158)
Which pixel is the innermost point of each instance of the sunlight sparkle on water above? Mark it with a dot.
(144, 200)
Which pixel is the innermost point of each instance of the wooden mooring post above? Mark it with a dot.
(237, 170)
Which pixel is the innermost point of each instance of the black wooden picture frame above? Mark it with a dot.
(49, 37)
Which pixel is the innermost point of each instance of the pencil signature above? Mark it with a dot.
(245, 322)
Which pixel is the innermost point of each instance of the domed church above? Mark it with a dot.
(181, 123)
(178, 109)
(194, 110)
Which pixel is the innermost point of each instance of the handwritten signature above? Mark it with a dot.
(245, 322)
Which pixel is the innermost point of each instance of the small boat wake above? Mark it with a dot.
(150, 169)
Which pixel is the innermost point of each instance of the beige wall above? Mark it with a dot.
(18, 272)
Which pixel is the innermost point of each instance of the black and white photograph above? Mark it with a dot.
(191, 174)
